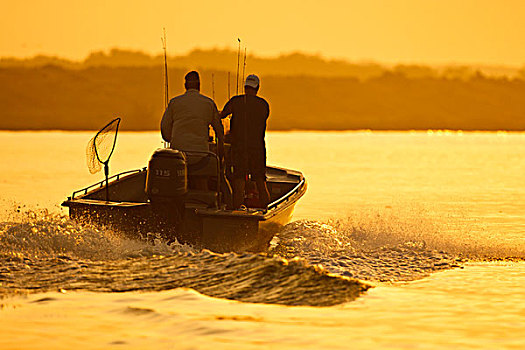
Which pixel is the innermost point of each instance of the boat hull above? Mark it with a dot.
(203, 228)
(218, 233)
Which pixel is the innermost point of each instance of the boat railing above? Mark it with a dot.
(286, 196)
(100, 184)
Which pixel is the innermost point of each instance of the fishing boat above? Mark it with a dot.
(159, 200)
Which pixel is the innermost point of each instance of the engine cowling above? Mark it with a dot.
(167, 176)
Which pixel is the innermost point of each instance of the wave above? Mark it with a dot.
(387, 246)
(418, 228)
(45, 252)
(360, 254)
(40, 234)
(309, 263)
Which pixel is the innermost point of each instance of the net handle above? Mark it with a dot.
(114, 140)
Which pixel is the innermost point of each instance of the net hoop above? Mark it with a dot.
(100, 148)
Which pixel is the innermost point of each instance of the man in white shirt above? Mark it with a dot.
(185, 123)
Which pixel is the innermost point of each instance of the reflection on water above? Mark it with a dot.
(465, 182)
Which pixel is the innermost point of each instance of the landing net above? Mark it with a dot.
(101, 146)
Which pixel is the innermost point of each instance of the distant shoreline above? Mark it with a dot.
(57, 98)
(289, 64)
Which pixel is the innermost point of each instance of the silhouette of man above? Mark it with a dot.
(248, 127)
(185, 123)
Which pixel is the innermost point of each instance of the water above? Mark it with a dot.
(403, 240)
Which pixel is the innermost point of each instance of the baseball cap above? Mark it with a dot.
(252, 80)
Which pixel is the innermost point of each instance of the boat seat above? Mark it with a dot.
(199, 165)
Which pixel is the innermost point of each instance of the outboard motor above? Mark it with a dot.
(167, 178)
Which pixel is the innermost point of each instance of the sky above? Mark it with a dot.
(388, 31)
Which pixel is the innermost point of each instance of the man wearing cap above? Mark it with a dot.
(248, 127)
(185, 123)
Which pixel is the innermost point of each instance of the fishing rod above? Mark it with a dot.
(244, 66)
(228, 86)
(166, 95)
(163, 40)
(238, 59)
(213, 98)
(213, 86)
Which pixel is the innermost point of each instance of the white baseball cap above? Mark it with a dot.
(252, 81)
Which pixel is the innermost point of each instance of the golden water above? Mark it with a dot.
(461, 193)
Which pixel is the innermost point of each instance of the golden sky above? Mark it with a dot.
(392, 31)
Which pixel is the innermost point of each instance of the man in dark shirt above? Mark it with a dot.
(248, 127)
